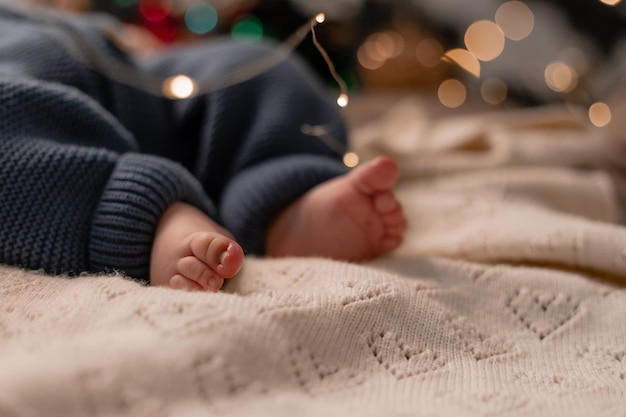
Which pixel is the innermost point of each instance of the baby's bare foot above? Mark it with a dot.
(355, 217)
(191, 252)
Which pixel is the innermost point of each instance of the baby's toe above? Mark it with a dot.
(223, 255)
(385, 202)
(230, 260)
(192, 268)
(395, 226)
(389, 243)
(179, 282)
(394, 218)
(377, 175)
(395, 231)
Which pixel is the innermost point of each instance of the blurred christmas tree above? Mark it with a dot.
(353, 26)
(572, 50)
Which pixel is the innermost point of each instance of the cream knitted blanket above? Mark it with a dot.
(494, 306)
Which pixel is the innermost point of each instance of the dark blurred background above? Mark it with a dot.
(573, 50)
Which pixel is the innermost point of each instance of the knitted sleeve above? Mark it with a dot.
(256, 155)
(75, 194)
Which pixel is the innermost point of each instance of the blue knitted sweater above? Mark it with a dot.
(88, 165)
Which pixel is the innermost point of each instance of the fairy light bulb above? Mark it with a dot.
(343, 100)
(179, 87)
(320, 18)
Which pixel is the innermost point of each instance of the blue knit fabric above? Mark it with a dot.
(88, 165)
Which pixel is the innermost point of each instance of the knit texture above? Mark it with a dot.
(253, 156)
(136, 195)
(88, 165)
(277, 178)
(497, 304)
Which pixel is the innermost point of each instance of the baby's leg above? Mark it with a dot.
(192, 252)
(354, 217)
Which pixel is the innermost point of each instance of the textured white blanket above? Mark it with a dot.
(497, 304)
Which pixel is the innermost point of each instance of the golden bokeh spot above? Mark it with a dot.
(452, 93)
(398, 42)
(179, 87)
(485, 40)
(429, 52)
(385, 44)
(515, 19)
(611, 2)
(369, 57)
(576, 58)
(493, 91)
(600, 114)
(561, 77)
(463, 59)
(351, 159)
(378, 48)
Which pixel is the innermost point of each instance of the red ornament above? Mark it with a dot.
(155, 10)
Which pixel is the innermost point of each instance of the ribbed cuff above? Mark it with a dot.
(257, 195)
(140, 189)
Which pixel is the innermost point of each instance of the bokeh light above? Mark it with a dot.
(248, 29)
(155, 10)
(561, 77)
(378, 48)
(385, 44)
(320, 18)
(600, 114)
(485, 40)
(611, 2)
(343, 100)
(398, 43)
(429, 52)
(515, 19)
(369, 57)
(452, 93)
(351, 159)
(576, 58)
(389, 44)
(493, 91)
(201, 18)
(179, 87)
(463, 59)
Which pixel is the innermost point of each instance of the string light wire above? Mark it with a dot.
(126, 74)
(323, 132)
(342, 101)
